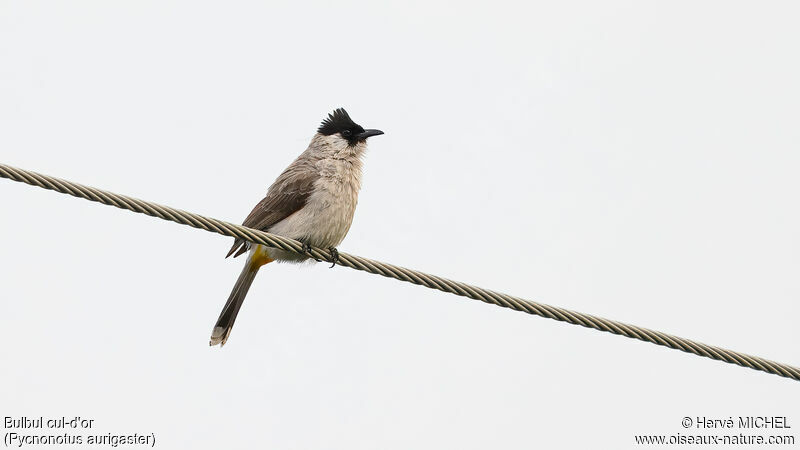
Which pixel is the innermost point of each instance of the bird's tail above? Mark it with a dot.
(222, 329)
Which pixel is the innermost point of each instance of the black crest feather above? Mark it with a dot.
(338, 121)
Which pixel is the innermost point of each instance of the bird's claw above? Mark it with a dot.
(307, 250)
(334, 256)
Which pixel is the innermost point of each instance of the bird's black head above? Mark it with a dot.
(339, 122)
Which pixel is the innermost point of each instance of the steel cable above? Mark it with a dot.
(400, 273)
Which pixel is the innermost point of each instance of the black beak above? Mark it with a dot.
(368, 133)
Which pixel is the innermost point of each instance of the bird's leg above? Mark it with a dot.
(307, 249)
(334, 256)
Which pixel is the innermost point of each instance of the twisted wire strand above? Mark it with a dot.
(400, 273)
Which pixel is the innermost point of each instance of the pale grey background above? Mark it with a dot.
(634, 160)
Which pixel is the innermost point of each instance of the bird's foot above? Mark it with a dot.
(334, 256)
(307, 250)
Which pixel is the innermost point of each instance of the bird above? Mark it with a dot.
(312, 201)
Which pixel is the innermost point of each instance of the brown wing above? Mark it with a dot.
(287, 195)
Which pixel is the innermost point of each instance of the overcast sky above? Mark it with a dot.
(634, 160)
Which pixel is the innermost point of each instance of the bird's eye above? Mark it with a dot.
(347, 133)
